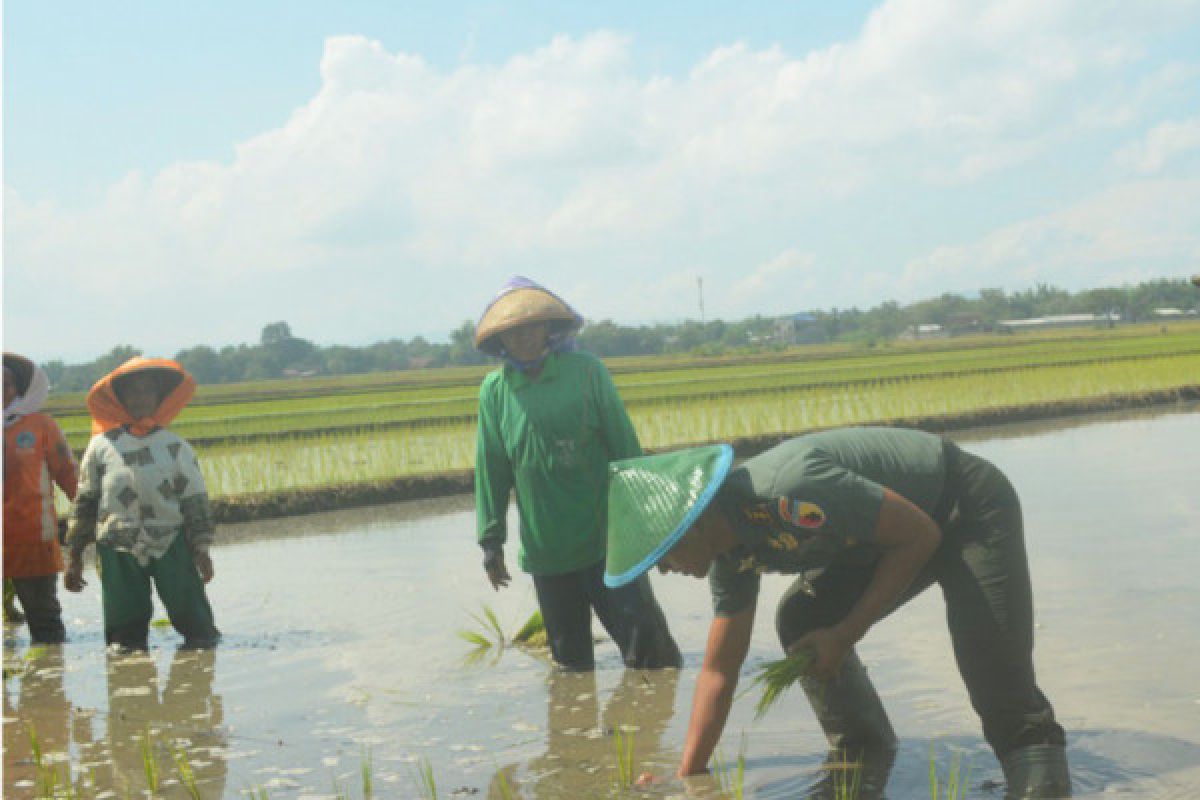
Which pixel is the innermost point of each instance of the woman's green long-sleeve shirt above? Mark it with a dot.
(550, 439)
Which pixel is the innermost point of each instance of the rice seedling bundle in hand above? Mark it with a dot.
(775, 677)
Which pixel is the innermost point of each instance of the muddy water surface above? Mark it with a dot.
(340, 646)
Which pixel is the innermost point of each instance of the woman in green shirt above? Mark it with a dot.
(550, 420)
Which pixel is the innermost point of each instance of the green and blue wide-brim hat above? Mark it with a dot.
(653, 501)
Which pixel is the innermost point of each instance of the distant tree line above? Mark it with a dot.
(280, 354)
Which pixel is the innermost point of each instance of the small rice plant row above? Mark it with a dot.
(691, 415)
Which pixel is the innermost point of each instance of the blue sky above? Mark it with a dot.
(179, 173)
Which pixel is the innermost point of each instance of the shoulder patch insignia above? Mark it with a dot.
(26, 440)
(757, 514)
(800, 513)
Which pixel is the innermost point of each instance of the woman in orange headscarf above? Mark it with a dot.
(143, 502)
(36, 457)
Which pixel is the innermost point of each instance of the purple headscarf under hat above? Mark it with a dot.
(562, 331)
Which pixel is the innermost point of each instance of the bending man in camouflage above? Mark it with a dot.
(866, 518)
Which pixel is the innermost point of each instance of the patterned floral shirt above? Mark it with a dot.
(137, 493)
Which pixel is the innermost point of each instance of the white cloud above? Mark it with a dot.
(1165, 142)
(1128, 233)
(401, 195)
(785, 282)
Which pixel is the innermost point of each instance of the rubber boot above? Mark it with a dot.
(849, 709)
(1037, 772)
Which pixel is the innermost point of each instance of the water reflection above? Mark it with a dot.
(170, 737)
(180, 728)
(581, 750)
(40, 702)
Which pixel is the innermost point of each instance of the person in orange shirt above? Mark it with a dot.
(36, 457)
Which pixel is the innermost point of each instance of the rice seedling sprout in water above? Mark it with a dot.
(731, 781)
(187, 775)
(48, 777)
(846, 779)
(424, 779)
(775, 677)
(365, 770)
(955, 786)
(34, 653)
(149, 764)
(35, 746)
(502, 786)
(623, 744)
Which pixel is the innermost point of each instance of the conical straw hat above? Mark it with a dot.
(653, 501)
(520, 301)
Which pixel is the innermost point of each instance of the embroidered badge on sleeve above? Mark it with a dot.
(801, 513)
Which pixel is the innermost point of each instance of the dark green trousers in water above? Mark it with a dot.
(983, 572)
(128, 607)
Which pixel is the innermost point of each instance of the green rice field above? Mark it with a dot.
(318, 432)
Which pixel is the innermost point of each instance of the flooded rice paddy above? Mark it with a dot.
(341, 651)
